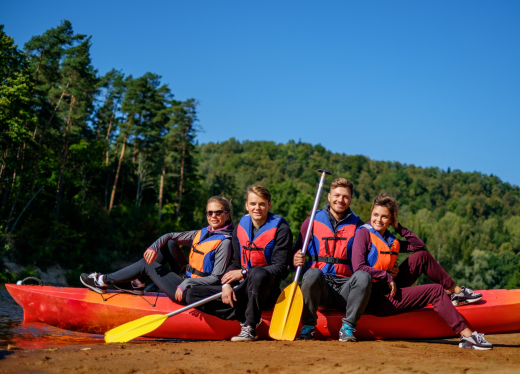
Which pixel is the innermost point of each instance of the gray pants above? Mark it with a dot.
(331, 291)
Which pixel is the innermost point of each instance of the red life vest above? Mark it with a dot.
(257, 252)
(383, 253)
(332, 251)
(202, 254)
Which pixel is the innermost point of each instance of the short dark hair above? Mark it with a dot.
(342, 182)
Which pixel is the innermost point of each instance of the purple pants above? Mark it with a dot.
(408, 298)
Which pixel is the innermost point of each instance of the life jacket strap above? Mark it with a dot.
(331, 260)
(333, 238)
(197, 251)
(389, 253)
(196, 272)
(252, 248)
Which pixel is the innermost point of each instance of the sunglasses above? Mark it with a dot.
(218, 213)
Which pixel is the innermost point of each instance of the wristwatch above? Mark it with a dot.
(244, 273)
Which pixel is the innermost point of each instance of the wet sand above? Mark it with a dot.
(437, 356)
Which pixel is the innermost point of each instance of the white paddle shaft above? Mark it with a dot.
(311, 220)
(198, 303)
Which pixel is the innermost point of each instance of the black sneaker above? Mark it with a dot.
(134, 287)
(90, 281)
(467, 296)
(306, 333)
(247, 333)
(475, 341)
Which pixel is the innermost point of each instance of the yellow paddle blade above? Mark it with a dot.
(134, 329)
(287, 313)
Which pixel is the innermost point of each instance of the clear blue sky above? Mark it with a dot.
(430, 83)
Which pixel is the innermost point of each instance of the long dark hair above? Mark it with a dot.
(388, 202)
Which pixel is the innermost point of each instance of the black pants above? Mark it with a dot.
(258, 292)
(164, 277)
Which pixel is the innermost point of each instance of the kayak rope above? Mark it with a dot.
(155, 303)
(108, 298)
(121, 293)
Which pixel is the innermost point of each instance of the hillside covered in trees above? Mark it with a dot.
(93, 168)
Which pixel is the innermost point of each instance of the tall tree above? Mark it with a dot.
(16, 115)
(186, 118)
(46, 53)
(79, 76)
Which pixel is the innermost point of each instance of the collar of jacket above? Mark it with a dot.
(332, 220)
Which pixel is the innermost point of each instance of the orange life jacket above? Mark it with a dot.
(202, 254)
(383, 253)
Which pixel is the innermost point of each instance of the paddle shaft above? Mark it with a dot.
(198, 303)
(311, 220)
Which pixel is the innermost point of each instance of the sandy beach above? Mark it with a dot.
(437, 356)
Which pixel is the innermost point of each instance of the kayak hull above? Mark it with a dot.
(79, 309)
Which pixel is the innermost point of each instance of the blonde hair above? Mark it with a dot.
(260, 191)
(222, 201)
(342, 182)
(387, 201)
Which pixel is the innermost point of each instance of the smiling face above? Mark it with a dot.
(258, 208)
(339, 200)
(215, 220)
(381, 218)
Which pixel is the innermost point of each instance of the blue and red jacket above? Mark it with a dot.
(329, 250)
(383, 253)
(257, 252)
(202, 254)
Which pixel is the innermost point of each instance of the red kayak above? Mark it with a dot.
(80, 309)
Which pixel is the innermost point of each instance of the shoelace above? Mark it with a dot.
(246, 331)
(348, 329)
(480, 338)
(469, 290)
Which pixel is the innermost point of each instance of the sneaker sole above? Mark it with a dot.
(461, 345)
(133, 292)
(237, 339)
(466, 302)
(97, 290)
(347, 340)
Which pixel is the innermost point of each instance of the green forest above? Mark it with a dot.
(95, 167)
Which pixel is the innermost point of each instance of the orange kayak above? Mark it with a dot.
(79, 309)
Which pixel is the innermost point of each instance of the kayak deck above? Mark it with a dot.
(79, 309)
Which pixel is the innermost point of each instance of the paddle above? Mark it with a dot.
(147, 324)
(288, 309)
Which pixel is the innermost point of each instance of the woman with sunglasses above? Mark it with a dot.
(209, 257)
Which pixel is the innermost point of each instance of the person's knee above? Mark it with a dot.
(172, 246)
(312, 276)
(438, 291)
(258, 275)
(422, 256)
(362, 279)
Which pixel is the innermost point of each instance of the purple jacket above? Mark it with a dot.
(361, 248)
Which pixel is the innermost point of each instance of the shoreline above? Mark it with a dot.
(442, 355)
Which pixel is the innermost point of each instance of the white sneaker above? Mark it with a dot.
(247, 333)
(475, 341)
